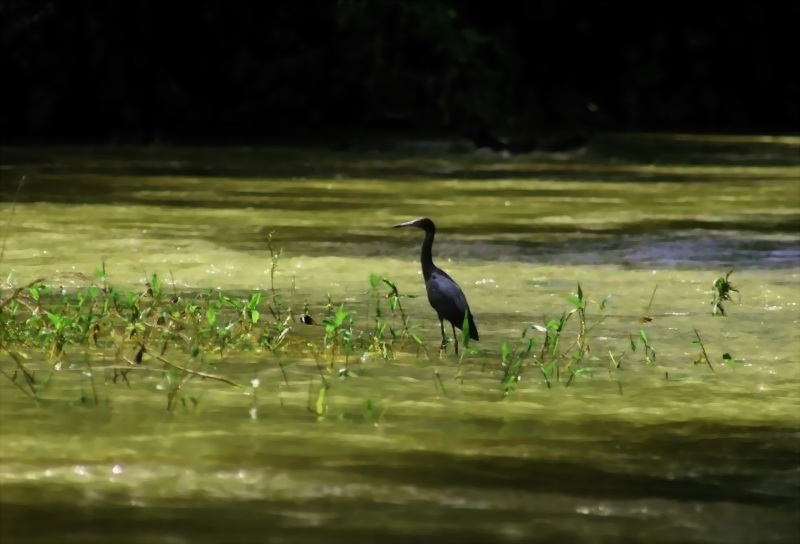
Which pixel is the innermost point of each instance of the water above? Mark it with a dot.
(665, 451)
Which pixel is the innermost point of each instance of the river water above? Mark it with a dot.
(655, 451)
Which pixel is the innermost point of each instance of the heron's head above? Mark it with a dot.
(423, 223)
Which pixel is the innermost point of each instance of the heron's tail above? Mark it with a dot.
(473, 330)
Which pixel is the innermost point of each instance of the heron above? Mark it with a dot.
(444, 294)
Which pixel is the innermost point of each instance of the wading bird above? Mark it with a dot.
(444, 294)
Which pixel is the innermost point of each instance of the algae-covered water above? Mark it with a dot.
(658, 451)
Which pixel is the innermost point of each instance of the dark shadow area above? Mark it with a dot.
(245, 522)
(94, 173)
(689, 464)
(665, 244)
(728, 463)
(515, 76)
(110, 186)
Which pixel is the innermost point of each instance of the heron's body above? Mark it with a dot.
(444, 294)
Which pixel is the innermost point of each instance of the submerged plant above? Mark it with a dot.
(339, 333)
(555, 358)
(721, 291)
(644, 340)
(513, 360)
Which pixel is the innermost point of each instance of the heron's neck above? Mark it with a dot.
(426, 256)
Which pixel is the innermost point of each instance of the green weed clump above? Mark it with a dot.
(183, 335)
(113, 334)
(721, 291)
(556, 359)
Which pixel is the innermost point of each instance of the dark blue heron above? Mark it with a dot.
(444, 294)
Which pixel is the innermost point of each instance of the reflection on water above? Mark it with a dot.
(651, 452)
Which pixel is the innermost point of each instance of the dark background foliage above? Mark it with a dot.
(532, 72)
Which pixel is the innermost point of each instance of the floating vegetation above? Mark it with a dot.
(114, 334)
(721, 291)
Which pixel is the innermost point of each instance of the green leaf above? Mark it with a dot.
(320, 404)
(100, 272)
(465, 330)
(211, 315)
(254, 316)
(155, 285)
(528, 348)
(504, 351)
(54, 319)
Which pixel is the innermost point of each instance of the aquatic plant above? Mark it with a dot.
(721, 291)
(112, 334)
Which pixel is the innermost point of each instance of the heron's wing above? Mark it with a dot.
(447, 298)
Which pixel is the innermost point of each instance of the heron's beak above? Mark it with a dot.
(406, 224)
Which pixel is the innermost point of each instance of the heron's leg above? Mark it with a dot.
(455, 337)
(444, 340)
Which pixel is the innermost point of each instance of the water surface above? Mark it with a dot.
(663, 451)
